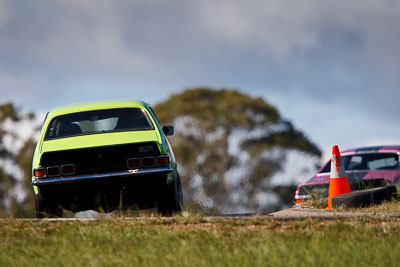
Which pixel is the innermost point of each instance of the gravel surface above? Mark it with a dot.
(299, 212)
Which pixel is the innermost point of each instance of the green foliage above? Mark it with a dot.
(218, 108)
(24, 161)
(9, 205)
(287, 138)
(206, 120)
(7, 182)
(8, 111)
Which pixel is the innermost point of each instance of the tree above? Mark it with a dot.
(16, 195)
(26, 207)
(229, 145)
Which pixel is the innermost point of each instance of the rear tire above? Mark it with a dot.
(171, 200)
(46, 208)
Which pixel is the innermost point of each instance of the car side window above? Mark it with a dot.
(388, 163)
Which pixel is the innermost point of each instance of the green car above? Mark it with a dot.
(105, 156)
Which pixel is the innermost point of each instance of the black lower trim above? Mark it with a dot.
(105, 194)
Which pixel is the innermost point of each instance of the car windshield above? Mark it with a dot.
(373, 161)
(98, 121)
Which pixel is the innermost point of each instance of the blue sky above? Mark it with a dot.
(331, 67)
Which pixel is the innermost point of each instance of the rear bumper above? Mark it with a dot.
(302, 197)
(101, 176)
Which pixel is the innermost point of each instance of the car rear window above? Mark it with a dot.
(98, 121)
(373, 161)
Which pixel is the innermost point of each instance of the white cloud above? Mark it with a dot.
(6, 12)
(131, 40)
(277, 27)
(285, 27)
(308, 50)
(85, 37)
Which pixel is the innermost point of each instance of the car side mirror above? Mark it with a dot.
(168, 130)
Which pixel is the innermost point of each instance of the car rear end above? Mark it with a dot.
(102, 162)
(105, 176)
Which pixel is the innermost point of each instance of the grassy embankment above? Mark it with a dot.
(392, 206)
(387, 207)
(192, 240)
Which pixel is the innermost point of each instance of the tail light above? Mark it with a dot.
(53, 171)
(68, 169)
(148, 162)
(163, 160)
(134, 163)
(39, 173)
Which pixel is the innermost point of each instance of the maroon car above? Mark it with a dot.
(365, 167)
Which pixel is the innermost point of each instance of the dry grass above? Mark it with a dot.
(193, 240)
(389, 207)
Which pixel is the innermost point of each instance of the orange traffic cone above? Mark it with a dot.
(338, 183)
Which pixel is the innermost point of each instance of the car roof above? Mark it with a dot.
(373, 149)
(96, 106)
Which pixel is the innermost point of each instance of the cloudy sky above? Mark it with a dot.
(330, 66)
